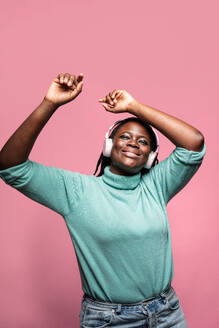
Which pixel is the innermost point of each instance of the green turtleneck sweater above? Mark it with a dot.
(118, 224)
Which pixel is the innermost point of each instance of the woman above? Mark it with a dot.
(117, 220)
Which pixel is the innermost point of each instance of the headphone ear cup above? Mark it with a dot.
(151, 158)
(107, 147)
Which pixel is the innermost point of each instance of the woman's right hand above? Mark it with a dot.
(64, 88)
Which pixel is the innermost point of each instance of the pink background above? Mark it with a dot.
(165, 53)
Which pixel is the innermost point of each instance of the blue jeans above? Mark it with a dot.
(162, 311)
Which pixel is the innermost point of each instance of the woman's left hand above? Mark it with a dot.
(118, 101)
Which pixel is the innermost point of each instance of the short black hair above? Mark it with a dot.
(105, 161)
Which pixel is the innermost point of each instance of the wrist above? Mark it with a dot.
(50, 104)
(133, 107)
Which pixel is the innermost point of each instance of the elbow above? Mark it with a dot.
(198, 145)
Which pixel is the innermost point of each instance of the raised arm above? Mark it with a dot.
(64, 88)
(177, 131)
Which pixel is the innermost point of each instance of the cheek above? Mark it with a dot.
(116, 149)
(117, 146)
(114, 153)
(145, 156)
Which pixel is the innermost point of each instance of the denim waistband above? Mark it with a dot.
(160, 295)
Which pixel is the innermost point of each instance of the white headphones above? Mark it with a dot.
(108, 144)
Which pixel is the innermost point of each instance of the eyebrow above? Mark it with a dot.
(138, 136)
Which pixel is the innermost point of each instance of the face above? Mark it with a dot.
(131, 147)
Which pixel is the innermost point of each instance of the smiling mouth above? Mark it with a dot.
(130, 154)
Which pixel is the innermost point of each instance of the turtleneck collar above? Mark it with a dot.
(121, 181)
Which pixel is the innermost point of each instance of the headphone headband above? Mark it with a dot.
(111, 128)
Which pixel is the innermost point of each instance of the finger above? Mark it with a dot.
(109, 100)
(56, 79)
(66, 77)
(118, 93)
(102, 99)
(80, 77)
(71, 81)
(76, 80)
(58, 76)
(108, 108)
(114, 94)
(79, 86)
(61, 77)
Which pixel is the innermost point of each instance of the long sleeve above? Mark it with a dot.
(174, 172)
(55, 188)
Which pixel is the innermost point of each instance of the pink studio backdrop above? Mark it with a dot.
(165, 53)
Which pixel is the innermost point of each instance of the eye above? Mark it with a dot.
(124, 136)
(143, 141)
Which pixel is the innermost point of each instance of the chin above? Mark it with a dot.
(127, 165)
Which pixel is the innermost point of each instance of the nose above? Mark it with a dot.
(133, 143)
